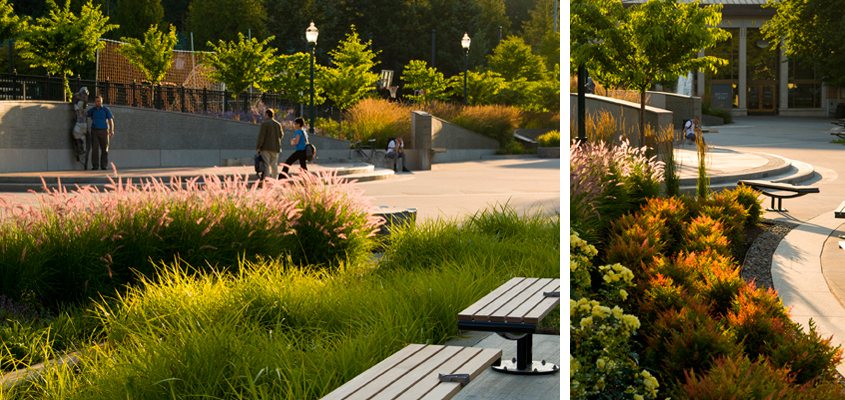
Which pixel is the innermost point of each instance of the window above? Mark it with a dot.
(720, 87)
(805, 90)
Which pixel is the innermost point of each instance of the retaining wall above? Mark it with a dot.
(35, 136)
(682, 107)
(437, 141)
(626, 114)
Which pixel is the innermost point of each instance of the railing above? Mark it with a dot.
(166, 97)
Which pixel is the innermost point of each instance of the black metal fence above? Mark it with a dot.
(160, 97)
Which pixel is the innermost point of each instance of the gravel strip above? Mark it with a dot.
(757, 266)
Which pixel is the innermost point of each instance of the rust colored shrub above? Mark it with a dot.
(661, 294)
(686, 340)
(749, 199)
(757, 322)
(635, 239)
(673, 212)
(704, 233)
(740, 378)
(807, 355)
(720, 287)
(731, 214)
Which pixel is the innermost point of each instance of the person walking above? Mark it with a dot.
(269, 144)
(100, 128)
(299, 141)
(396, 151)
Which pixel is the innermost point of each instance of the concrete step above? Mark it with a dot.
(781, 171)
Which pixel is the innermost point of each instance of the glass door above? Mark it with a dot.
(761, 98)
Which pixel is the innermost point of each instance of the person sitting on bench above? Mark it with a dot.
(396, 151)
(690, 129)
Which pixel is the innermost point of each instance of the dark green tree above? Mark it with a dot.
(11, 25)
(810, 31)
(634, 47)
(154, 56)
(175, 13)
(213, 20)
(290, 76)
(136, 16)
(240, 63)
(539, 32)
(63, 41)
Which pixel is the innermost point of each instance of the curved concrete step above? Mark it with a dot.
(793, 172)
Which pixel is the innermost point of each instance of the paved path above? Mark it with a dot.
(807, 268)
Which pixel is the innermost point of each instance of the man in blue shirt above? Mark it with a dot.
(101, 126)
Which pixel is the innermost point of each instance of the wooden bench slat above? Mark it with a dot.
(466, 314)
(430, 380)
(474, 367)
(418, 373)
(779, 186)
(544, 308)
(355, 383)
(527, 295)
(532, 312)
(386, 378)
(504, 300)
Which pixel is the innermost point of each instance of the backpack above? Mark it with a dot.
(310, 149)
(259, 163)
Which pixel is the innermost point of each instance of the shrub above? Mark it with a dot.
(808, 356)
(686, 340)
(540, 120)
(512, 147)
(377, 119)
(737, 377)
(704, 233)
(720, 287)
(662, 294)
(335, 223)
(672, 211)
(327, 127)
(755, 326)
(635, 239)
(749, 199)
(549, 139)
(731, 214)
(717, 112)
(496, 122)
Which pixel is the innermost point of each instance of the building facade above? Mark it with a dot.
(756, 80)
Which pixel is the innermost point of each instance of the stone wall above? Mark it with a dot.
(437, 141)
(682, 107)
(35, 136)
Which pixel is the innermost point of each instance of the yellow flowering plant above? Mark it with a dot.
(602, 365)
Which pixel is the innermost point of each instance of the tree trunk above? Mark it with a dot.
(642, 118)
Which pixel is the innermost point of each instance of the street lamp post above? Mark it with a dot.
(311, 35)
(465, 44)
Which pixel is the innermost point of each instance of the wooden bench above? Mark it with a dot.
(513, 311)
(419, 372)
(763, 186)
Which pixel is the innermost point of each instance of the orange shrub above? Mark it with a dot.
(704, 233)
(808, 356)
(634, 239)
(673, 212)
(724, 208)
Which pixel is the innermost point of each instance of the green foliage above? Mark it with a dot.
(63, 41)
(482, 87)
(225, 20)
(811, 39)
(11, 25)
(758, 321)
(352, 78)
(703, 233)
(154, 56)
(539, 32)
(513, 60)
(135, 16)
(808, 356)
(628, 46)
(635, 239)
(240, 64)
(725, 115)
(724, 207)
(549, 139)
(327, 127)
(673, 212)
(418, 76)
(290, 76)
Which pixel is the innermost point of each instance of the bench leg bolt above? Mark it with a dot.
(543, 362)
(513, 360)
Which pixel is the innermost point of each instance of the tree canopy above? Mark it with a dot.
(63, 41)
(634, 47)
(513, 60)
(352, 78)
(153, 57)
(434, 85)
(135, 16)
(289, 75)
(11, 25)
(240, 63)
(224, 20)
(810, 32)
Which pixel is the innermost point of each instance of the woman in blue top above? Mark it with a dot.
(299, 141)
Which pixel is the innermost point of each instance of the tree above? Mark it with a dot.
(352, 78)
(513, 60)
(810, 31)
(11, 25)
(212, 20)
(62, 42)
(135, 16)
(418, 76)
(240, 64)
(289, 75)
(637, 46)
(539, 32)
(482, 87)
(154, 56)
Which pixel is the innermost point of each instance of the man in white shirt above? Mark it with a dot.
(690, 129)
(396, 151)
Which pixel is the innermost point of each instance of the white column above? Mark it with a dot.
(783, 86)
(743, 78)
